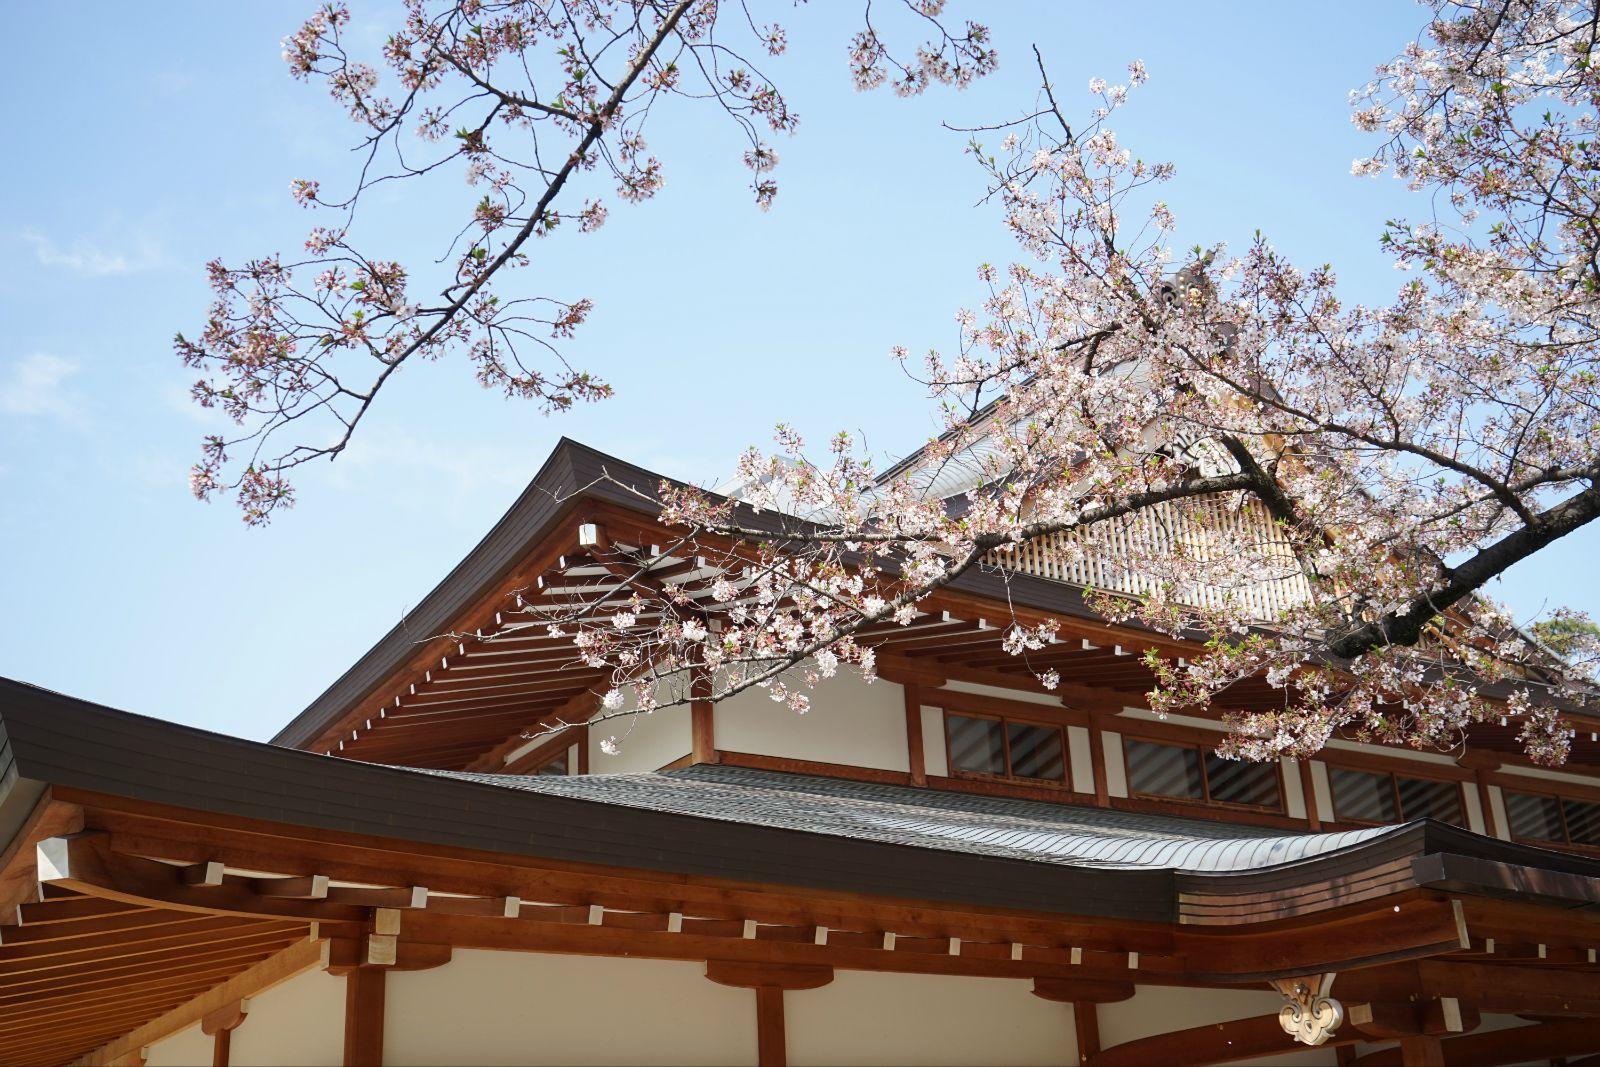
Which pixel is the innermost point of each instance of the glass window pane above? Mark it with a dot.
(1583, 821)
(977, 746)
(1428, 798)
(1242, 782)
(1163, 770)
(555, 766)
(1036, 751)
(1362, 796)
(1537, 818)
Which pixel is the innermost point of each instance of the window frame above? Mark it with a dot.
(1005, 721)
(1201, 749)
(1561, 798)
(1394, 777)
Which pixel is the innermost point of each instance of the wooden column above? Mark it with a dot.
(1481, 763)
(1097, 758)
(220, 1025)
(363, 1017)
(1083, 995)
(1086, 1017)
(769, 980)
(1421, 1050)
(702, 719)
(771, 1042)
(1308, 786)
(914, 750)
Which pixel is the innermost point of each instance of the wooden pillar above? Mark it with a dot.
(769, 980)
(363, 1017)
(1097, 758)
(1308, 786)
(1086, 1018)
(1482, 764)
(702, 718)
(914, 750)
(1491, 822)
(1083, 994)
(771, 1042)
(220, 1025)
(1421, 1050)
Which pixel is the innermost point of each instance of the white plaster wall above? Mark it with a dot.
(647, 742)
(875, 1019)
(186, 1048)
(298, 1022)
(935, 752)
(850, 722)
(1116, 765)
(1161, 1009)
(1321, 792)
(492, 1008)
(1544, 775)
(1078, 741)
(1294, 794)
(1497, 804)
(1473, 807)
(1025, 696)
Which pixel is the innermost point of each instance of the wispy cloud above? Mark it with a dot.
(37, 385)
(92, 260)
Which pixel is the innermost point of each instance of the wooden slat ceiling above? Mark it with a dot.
(76, 971)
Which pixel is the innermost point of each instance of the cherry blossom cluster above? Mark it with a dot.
(1208, 424)
(536, 104)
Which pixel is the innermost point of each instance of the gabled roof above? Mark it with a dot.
(573, 474)
(575, 477)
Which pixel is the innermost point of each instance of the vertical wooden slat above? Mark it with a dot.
(219, 1048)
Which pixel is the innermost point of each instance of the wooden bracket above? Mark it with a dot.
(745, 975)
(1082, 990)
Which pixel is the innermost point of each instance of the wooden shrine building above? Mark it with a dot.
(949, 866)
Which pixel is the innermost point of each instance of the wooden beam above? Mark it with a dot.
(747, 975)
(1519, 1044)
(85, 863)
(1488, 987)
(19, 881)
(1082, 991)
(1386, 1020)
(1237, 1039)
(363, 1017)
(278, 968)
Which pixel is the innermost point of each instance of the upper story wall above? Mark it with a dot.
(850, 723)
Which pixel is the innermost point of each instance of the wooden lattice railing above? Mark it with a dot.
(1212, 531)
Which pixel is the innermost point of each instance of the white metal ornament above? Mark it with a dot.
(1310, 1015)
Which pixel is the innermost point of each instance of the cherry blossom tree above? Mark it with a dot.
(542, 105)
(1399, 457)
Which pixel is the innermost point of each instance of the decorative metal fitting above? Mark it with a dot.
(1310, 1015)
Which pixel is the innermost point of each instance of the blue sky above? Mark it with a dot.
(173, 139)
